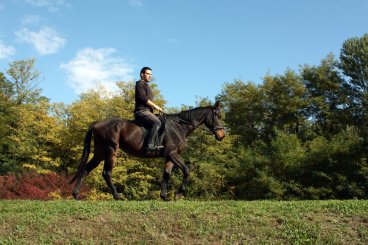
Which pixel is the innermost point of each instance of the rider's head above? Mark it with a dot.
(146, 74)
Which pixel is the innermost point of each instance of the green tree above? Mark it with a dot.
(244, 110)
(30, 133)
(334, 168)
(326, 97)
(35, 138)
(284, 104)
(25, 78)
(7, 118)
(354, 65)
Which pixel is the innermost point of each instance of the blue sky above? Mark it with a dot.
(193, 46)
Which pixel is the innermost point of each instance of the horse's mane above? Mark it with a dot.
(189, 115)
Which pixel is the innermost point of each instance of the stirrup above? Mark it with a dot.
(153, 148)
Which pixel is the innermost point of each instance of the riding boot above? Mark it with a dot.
(152, 134)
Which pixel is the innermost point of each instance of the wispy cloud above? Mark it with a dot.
(1, 6)
(136, 3)
(173, 40)
(6, 50)
(31, 20)
(45, 41)
(51, 5)
(93, 67)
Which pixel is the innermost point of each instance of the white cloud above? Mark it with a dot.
(1, 6)
(5, 50)
(136, 3)
(93, 67)
(31, 20)
(173, 40)
(51, 5)
(45, 41)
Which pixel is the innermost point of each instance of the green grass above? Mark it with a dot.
(184, 222)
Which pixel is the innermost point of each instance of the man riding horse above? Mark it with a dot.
(144, 106)
(112, 134)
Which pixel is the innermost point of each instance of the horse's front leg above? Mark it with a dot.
(184, 183)
(176, 159)
(165, 181)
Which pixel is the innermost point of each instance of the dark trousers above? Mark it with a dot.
(151, 122)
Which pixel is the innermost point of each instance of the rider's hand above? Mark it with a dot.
(158, 108)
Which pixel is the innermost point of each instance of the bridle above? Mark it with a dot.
(215, 128)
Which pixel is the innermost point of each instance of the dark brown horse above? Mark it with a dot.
(112, 134)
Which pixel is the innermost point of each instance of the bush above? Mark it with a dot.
(35, 186)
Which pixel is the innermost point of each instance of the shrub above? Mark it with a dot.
(35, 186)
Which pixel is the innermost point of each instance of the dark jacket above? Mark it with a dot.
(143, 93)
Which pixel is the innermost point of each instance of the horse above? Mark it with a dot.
(111, 134)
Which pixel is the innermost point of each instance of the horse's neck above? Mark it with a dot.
(194, 117)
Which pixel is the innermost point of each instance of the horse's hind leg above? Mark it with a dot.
(110, 157)
(92, 164)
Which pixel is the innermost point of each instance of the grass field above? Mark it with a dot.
(184, 222)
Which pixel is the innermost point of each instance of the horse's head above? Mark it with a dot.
(214, 123)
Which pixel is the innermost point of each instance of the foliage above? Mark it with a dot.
(7, 118)
(302, 136)
(34, 186)
(336, 166)
(354, 64)
(29, 135)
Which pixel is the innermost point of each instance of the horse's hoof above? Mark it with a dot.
(76, 196)
(164, 198)
(117, 197)
(178, 195)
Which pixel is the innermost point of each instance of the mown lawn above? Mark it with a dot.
(184, 222)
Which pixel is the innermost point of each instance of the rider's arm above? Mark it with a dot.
(150, 103)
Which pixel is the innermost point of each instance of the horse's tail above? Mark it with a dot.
(85, 155)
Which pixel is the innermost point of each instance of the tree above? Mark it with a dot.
(284, 103)
(25, 79)
(244, 110)
(7, 118)
(326, 97)
(29, 133)
(354, 65)
(35, 138)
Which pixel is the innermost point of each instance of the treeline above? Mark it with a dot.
(299, 135)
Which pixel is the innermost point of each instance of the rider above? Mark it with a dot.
(144, 106)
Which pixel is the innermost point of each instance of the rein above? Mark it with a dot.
(179, 120)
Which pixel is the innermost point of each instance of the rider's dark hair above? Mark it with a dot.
(144, 69)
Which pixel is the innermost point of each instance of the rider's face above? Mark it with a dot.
(146, 76)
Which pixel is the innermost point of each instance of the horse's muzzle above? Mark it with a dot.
(219, 134)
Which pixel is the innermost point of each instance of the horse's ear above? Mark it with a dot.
(217, 105)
